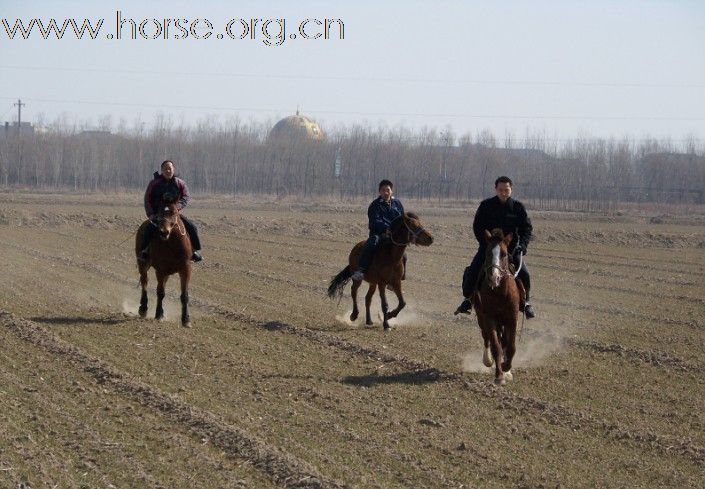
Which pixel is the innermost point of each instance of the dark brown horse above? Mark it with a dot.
(386, 267)
(496, 302)
(169, 252)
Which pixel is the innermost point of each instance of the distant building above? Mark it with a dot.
(297, 127)
(11, 128)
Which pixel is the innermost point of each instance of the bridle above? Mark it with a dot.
(412, 235)
(179, 223)
(504, 271)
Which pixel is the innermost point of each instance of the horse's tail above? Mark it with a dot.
(337, 283)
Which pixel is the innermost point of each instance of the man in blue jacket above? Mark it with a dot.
(162, 184)
(500, 211)
(381, 212)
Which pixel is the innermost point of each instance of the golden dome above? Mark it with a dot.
(295, 127)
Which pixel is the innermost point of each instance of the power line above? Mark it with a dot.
(550, 83)
(377, 114)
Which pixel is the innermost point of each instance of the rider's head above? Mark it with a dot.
(386, 189)
(168, 169)
(503, 188)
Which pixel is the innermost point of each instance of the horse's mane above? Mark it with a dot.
(412, 215)
(497, 235)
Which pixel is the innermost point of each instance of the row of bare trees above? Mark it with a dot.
(588, 174)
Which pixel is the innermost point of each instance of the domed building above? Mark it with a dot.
(297, 127)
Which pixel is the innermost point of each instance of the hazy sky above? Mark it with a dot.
(599, 68)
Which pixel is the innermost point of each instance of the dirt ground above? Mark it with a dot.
(273, 386)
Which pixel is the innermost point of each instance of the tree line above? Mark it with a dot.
(238, 158)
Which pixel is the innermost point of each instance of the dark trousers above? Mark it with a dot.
(192, 232)
(472, 272)
(190, 229)
(367, 251)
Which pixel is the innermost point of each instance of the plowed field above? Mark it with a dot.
(274, 387)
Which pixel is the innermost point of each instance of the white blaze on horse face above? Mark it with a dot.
(495, 277)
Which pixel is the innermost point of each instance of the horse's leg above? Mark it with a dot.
(353, 293)
(496, 347)
(185, 276)
(368, 301)
(385, 306)
(161, 281)
(144, 279)
(396, 286)
(510, 345)
(487, 359)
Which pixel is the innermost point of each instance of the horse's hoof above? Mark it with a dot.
(142, 312)
(353, 316)
(159, 318)
(508, 375)
(500, 381)
(387, 327)
(369, 323)
(186, 324)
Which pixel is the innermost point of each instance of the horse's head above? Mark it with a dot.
(407, 229)
(167, 220)
(496, 264)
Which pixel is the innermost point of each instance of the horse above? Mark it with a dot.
(386, 267)
(496, 301)
(169, 253)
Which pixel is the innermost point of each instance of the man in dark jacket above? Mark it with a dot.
(167, 183)
(500, 211)
(381, 212)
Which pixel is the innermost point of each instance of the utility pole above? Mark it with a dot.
(19, 105)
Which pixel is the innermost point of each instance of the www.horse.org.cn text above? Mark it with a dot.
(268, 31)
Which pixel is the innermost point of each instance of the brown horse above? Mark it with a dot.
(386, 267)
(496, 302)
(169, 253)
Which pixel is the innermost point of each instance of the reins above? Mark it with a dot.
(411, 235)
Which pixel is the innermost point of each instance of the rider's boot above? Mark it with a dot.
(465, 307)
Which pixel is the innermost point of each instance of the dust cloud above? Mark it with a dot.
(533, 348)
(172, 311)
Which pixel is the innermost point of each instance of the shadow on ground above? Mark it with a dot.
(77, 320)
(412, 378)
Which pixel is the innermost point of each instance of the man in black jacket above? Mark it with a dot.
(500, 211)
(380, 214)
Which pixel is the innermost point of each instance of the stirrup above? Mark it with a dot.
(196, 257)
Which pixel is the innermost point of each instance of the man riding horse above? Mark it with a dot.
(163, 184)
(509, 215)
(381, 212)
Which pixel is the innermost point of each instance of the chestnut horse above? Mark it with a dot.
(386, 267)
(169, 252)
(496, 302)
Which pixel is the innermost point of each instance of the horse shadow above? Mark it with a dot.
(416, 377)
(279, 325)
(77, 320)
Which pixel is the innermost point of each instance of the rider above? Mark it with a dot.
(162, 184)
(510, 216)
(381, 212)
